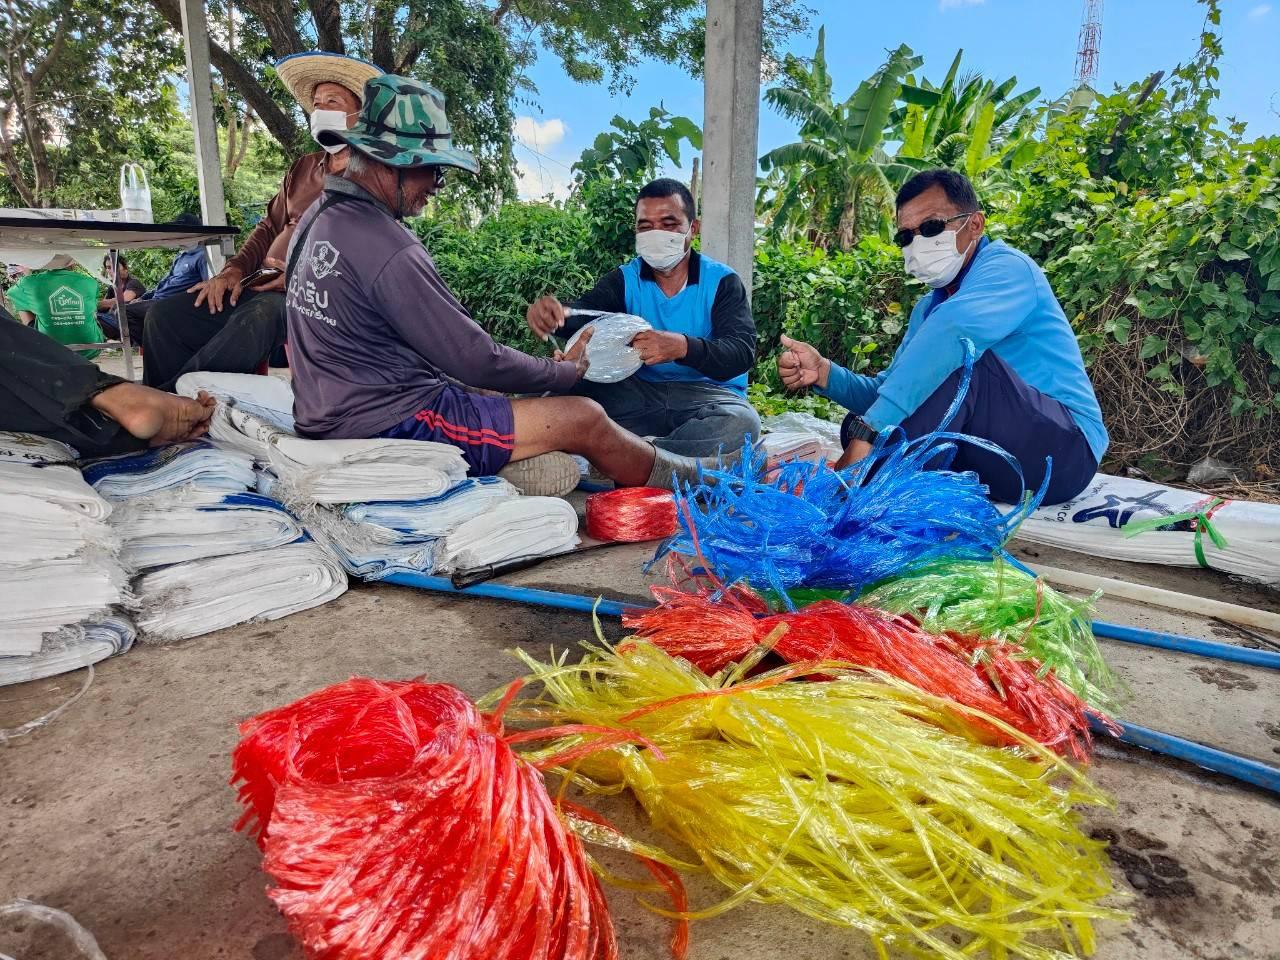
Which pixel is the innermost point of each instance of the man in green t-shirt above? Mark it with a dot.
(61, 304)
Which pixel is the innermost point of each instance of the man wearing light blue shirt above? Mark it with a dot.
(1029, 394)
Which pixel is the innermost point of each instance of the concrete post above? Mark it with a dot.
(731, 125)
(195, 37)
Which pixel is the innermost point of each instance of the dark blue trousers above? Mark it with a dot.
(1003, 408)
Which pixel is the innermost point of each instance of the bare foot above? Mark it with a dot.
(155, 415)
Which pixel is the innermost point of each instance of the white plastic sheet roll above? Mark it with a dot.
(610, 356)
(195, 598)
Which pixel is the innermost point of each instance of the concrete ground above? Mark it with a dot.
(120, 813)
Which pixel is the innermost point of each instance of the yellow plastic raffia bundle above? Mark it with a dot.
(858, 800)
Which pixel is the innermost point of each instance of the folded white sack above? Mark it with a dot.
(523, 527)
(363, 556)
(353, 471)
(270, 398)
(199, 463)
(71, 648)
(62, 485)
(191, 524)
(1096, 521)
(38, 598)
(401, 521)
(30, 448)
(191, 599)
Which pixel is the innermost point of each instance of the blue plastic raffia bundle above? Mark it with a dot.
(808, 525)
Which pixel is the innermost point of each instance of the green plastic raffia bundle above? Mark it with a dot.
(998, 600)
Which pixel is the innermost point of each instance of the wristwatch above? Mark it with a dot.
(859, 429)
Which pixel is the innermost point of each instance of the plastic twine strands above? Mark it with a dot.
(811, 526)
(631, 514)
(990, 676)
(397, 822)
(999, 601)
(859, 801)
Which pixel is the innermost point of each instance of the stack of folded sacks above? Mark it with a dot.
(59, 572)
(214, 554)
(198, 597)
(512, 530)
(382, 506)
(191, 523)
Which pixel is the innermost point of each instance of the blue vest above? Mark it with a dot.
(688, 312)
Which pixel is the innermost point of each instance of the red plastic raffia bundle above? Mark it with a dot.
(398, 823)
(986, 675)
(631, 514)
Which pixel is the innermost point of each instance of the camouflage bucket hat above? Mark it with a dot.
(402, 124)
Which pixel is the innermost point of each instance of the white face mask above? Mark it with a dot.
(661, 249)
(328, 120)
(935, 260)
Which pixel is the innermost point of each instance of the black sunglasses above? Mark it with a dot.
(439, 177)
(929, 228)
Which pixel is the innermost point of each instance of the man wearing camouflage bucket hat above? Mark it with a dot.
(234, 321)
(379, 345)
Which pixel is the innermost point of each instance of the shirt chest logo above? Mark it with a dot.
(65, 302)
(324, 257)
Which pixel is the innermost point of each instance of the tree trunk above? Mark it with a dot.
(693, 185)
(278, 20)
(328, 17)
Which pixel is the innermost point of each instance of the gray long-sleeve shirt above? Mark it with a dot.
(374, 333)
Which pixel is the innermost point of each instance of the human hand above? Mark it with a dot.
(856, 450)
(800, 365)
(577, 354)
(545, 316)
(215, 289)
(277, 282)
(658, 346)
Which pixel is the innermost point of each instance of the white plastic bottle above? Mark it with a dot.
(135, 194)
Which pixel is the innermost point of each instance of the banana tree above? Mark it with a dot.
(966, 125)
(836, 181)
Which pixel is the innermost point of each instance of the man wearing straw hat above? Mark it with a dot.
(233, 321)
(379, 344)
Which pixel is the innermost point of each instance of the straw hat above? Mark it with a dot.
(303, 72)
(402, 123)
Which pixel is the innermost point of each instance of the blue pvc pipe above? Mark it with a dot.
(502, 591)
(1218, 761)
(1174, 641)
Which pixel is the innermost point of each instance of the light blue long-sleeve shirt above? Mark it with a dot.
(1004, 303)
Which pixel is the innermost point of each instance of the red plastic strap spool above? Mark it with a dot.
(631, 514)
(398, 824)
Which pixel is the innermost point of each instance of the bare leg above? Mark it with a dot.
(578, 425)
(154, 415)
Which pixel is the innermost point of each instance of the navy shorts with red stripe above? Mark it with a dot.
(483, 428)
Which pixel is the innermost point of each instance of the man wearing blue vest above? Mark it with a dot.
(691, 395)
(1029, 394)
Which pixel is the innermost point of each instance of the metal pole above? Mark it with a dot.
(122, 317)
(195, 39)
(731, 122)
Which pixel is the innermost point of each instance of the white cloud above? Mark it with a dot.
(945, 5)
(539, 171)
(540, 136)
(1260, 11)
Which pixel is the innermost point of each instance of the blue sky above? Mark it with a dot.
(1032, 39)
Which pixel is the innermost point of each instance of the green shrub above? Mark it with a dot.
(853, 307)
